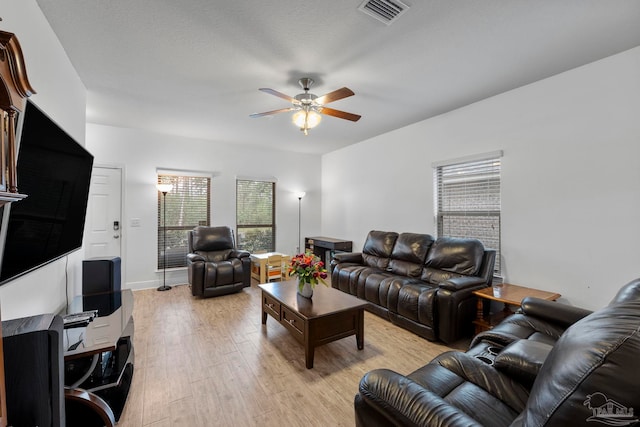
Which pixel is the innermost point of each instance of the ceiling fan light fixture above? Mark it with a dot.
(306, 119)
(308, 108)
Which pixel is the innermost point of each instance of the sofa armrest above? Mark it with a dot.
(557, 313)
(457, 307)
(354, 257)
(388, 398)
(522, 359)
(195, 273)
(239, 253)
(459, 283)
(195, 258)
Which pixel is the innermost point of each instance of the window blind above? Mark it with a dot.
(187, 206)
(468, 201)
(255, 215)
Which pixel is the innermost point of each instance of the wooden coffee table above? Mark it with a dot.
(328, 316)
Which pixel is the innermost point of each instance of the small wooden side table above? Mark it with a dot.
(508, 294)
(259, 266)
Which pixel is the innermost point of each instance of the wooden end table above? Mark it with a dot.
(508, 294)
(328, 316)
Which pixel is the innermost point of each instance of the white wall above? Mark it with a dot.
(570, 178)
(141, 153)
(60, 94)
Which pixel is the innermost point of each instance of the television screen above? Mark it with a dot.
(54, 171)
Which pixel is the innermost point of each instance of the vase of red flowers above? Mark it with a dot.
(310, 271)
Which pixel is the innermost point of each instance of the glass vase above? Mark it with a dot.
(304, 288)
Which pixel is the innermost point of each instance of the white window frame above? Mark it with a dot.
(457, 183)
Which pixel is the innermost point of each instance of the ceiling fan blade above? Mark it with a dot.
(278, 94)
(335, 95)
(339, 114)
(268, 113)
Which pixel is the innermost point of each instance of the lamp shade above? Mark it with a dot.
(300, 194)
(164, 188)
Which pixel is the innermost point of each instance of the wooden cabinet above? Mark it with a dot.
(14, 90)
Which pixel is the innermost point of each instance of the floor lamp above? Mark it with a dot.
(164, 189)
(299, 195)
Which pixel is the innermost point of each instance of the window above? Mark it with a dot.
(255, 215)
(468, 200)
(187, 206)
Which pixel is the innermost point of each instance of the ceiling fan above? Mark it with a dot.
(308, 106)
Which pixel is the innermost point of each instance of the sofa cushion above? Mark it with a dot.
(377, 248)
(415, 302)
(409, 254)
(215, 256)
(375, 287)
(474, 387)
(435, 276)
(207, 239)
(223, 273)
(461, 256)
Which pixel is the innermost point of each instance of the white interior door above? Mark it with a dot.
(104, 213)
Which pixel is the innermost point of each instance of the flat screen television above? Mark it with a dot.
(54, 171)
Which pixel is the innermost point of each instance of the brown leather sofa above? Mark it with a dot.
(214, 266)
(421, 284)
(587, 376)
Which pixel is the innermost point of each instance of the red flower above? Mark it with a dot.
(309, 268)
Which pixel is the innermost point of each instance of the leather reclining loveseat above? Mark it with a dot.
(522, 373)
(421, 284)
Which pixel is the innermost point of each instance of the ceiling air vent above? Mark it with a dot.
(386, 11)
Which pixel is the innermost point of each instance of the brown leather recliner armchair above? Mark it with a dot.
(587, 377)
(214, 265)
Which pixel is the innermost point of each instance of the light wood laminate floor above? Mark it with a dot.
(210, 362)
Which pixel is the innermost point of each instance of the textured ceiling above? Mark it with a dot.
(193, 67)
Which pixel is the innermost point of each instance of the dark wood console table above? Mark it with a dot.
(99, 356)
(325, 247)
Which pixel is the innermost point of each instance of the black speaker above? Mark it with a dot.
(34, 371)
(101, 275)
